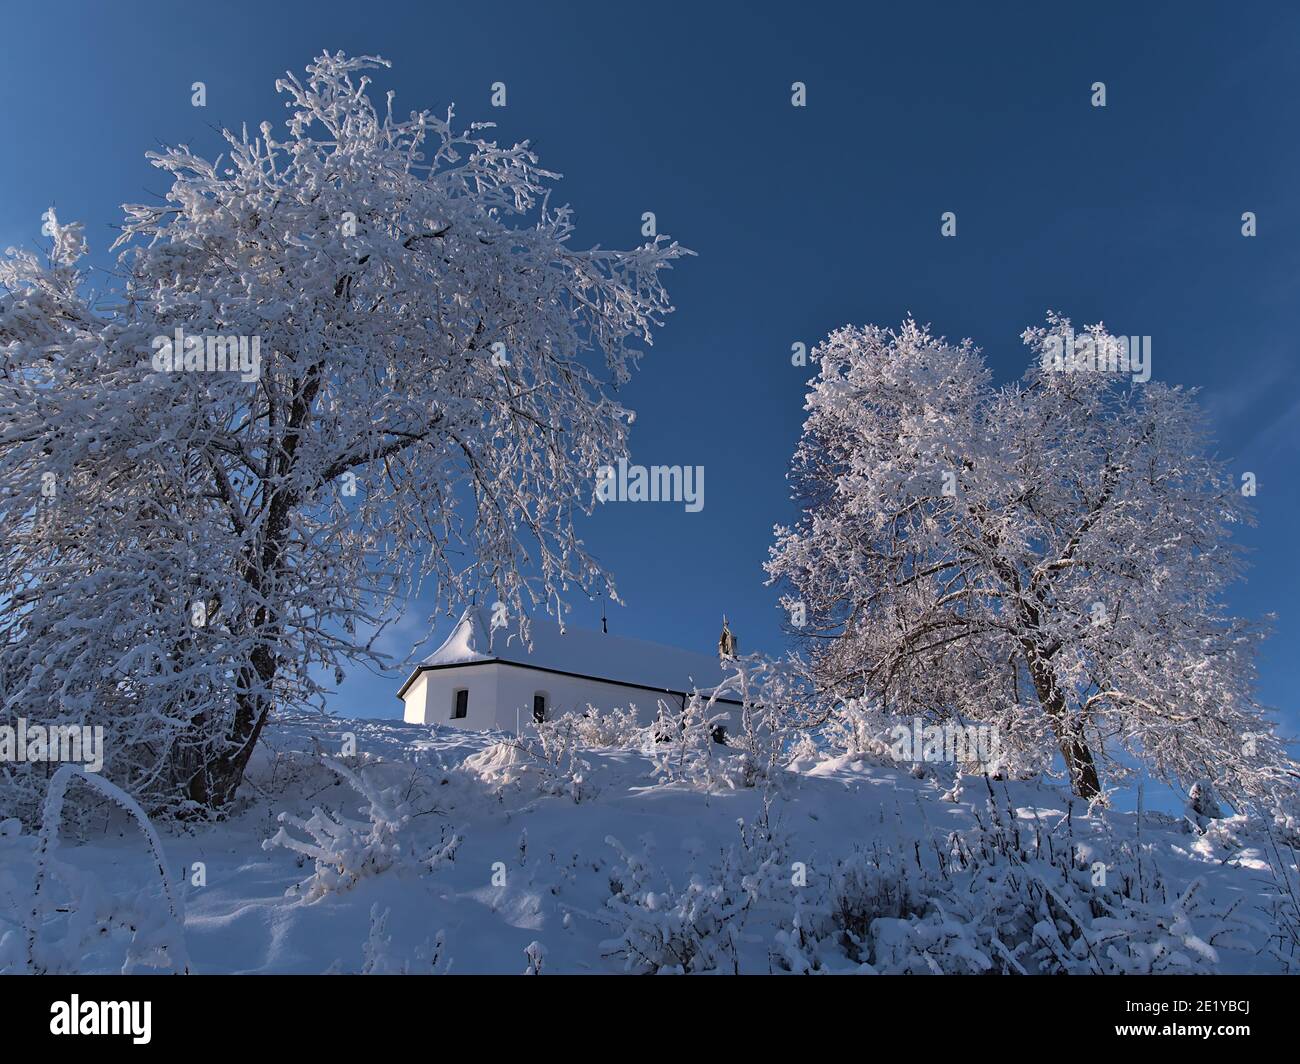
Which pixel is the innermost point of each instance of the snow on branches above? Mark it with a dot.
(193, 535)
(1048, 558)
(71, 913)
(699, 928)
(345, 851)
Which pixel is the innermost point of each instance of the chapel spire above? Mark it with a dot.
(726, 641)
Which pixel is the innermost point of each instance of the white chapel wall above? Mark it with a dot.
(501, 696)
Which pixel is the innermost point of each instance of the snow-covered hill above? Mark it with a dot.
(481, 856)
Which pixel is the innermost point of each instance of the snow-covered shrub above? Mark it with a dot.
(501, 764)
(862, 729)
(804, 751)
(685, 747)
(378, 957)
(1202, 805)
(346, 851)
(549, 759)
(604, 728)
(769, 693)
(557, 747)
(70, 913)
(1007, 899)
(536, 954)
(793, 946)
(664, 930)
(1028, 903)
(375, 956)
(710, 742)
(860, 893)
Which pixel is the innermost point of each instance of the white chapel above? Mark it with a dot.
(480, 678)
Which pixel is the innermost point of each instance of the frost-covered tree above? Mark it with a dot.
(342, 360)
(1048, 557)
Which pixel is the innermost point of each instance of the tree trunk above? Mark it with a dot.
(216, 782)
(221, 777)
(214, 786)
(1078, 758)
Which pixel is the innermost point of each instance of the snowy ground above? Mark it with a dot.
(536, 867)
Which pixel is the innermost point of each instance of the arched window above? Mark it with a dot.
(539, 707)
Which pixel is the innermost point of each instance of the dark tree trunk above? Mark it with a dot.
(214, 786)
(1078, 758)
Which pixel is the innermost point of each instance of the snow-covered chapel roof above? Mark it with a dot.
(575, 652)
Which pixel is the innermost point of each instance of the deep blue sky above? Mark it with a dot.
(804, 220)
